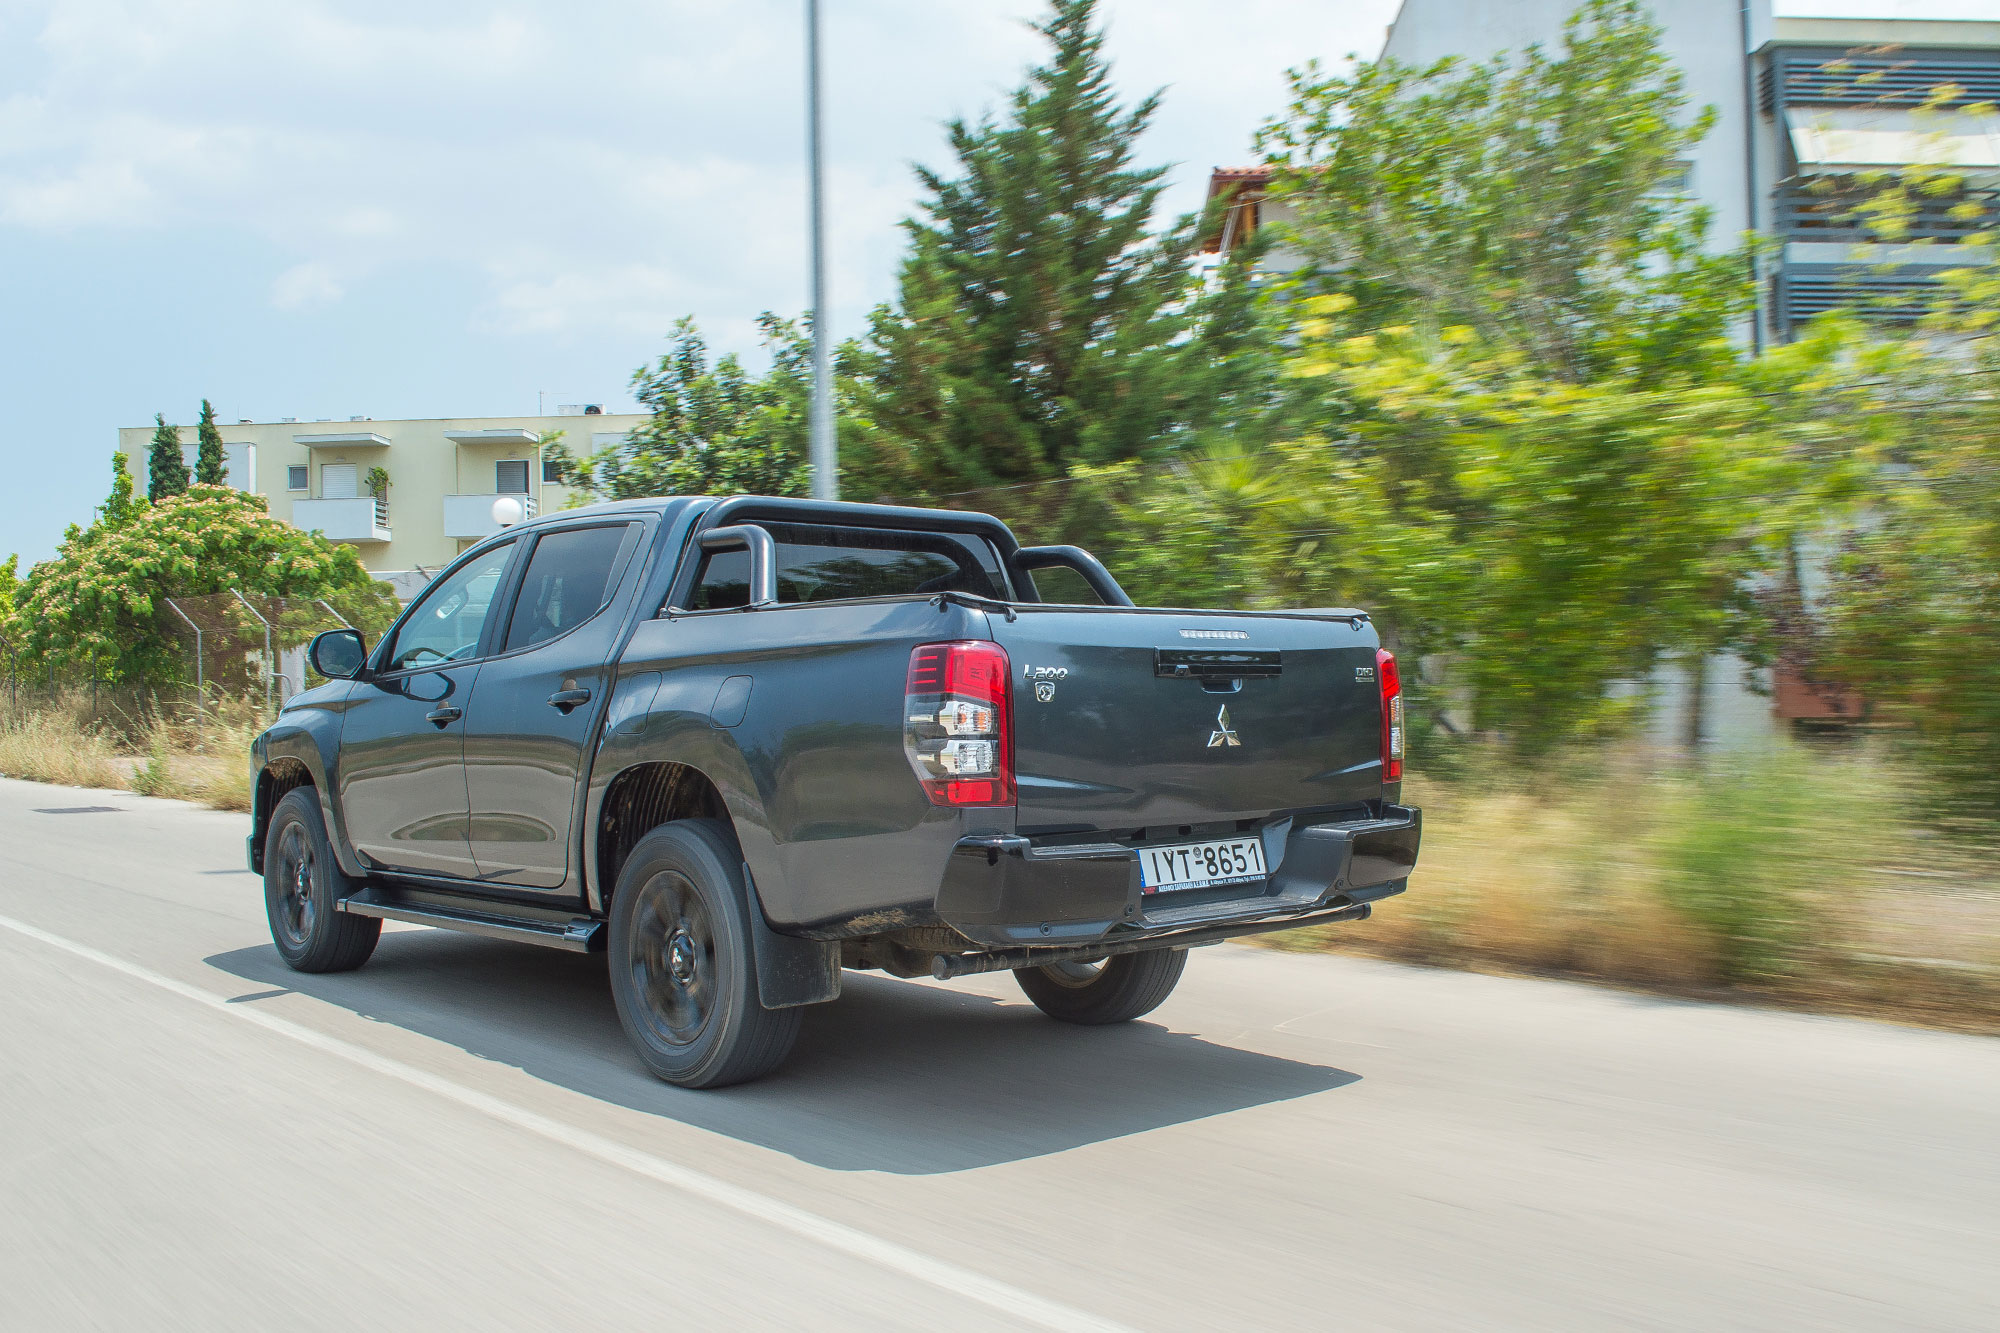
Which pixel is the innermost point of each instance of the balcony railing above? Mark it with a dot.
(362, 519)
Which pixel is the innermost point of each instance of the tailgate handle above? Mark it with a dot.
(1216, 663)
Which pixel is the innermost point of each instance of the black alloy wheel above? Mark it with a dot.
(294, 915)
(673, 959)
(683, 960)
(303, 886)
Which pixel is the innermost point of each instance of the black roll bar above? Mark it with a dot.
(763, 557)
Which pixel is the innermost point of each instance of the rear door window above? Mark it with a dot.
(569, 579)
(828, 564)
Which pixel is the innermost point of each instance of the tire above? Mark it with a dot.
(1116, 990)
(303, 885)
(683, 964)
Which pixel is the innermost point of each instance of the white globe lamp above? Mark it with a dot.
(508, 510)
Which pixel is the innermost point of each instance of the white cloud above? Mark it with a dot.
(608, 166)
(303, 286)
(90, 194)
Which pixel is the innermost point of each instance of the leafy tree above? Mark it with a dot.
(166, 466)
(123, 502)
(102, 599)
(1911, 615)
(716, 429)
(1548, 539)
(210, 467)
(1522, 198)
(1040, 322)
(10, 586)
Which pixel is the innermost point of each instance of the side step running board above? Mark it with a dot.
(577, 935)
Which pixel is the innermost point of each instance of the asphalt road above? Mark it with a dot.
(455, 1136)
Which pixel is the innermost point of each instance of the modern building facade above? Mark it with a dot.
(407, 495)
(1811, 111)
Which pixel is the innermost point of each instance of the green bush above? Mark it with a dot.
(1748, 849)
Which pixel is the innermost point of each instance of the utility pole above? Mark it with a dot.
(825, 469)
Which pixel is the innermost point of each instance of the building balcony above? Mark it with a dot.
(469, 517)
(509, 435)
(353, 521)
(345, 439)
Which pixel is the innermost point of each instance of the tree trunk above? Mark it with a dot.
(1693, 721)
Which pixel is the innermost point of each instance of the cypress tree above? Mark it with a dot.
(166, 467)
(121, 504)
(210, 467)
(1040, 322)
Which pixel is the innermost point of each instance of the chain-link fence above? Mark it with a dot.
(242, 650)
(245, 644)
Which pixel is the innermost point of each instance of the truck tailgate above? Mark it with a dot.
(1134, 718)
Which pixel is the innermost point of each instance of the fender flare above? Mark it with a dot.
(693, 740)
(299, 743)
(791, 970)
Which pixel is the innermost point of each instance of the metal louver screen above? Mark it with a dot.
(1805, 290)
(511, 477)
(1901, 78)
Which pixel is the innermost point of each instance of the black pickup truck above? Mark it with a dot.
(743, 744)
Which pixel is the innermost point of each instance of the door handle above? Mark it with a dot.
(564, 700)
(444, 715)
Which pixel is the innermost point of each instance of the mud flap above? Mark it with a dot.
(791, 971)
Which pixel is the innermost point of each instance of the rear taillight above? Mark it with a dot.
(957, 724)
(1392, 714)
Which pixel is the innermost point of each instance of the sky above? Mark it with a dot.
(302, 209)
(314, 209)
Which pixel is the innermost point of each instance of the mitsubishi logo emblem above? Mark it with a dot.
(1222, 735)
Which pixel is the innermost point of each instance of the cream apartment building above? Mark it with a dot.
(443, 477)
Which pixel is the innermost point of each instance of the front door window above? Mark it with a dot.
(446, 625)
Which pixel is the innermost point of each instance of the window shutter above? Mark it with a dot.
(511, 477)
(339, 481)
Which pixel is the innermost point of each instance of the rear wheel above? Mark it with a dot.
(303, 886)
(1109, 990)
(683, 967)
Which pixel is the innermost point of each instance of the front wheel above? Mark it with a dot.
(683, 966)
(303, 886)
(1112, 990)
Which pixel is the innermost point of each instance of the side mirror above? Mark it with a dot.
(338, 654)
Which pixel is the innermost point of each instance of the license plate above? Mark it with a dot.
(1201, 865)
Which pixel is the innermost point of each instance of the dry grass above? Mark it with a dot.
(202, 757)
(59, 742)
(1769, 878)
(1790, 879)
(1514, 881)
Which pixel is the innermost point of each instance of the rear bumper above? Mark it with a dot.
(1003, 891)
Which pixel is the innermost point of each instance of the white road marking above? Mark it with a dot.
(1009, 1300)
